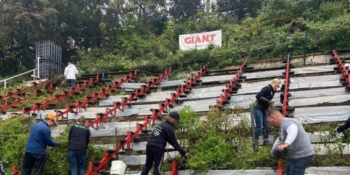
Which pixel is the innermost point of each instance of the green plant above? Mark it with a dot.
(13, 139)
(221, 144)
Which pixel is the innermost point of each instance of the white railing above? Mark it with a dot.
(34, 76)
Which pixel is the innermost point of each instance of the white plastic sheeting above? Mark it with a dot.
(138, 146)
(132, 85)
(314, 69)
(269, 171)
(210, 92)
(300, 98)
(318, 93)
(152, 97)
(90, 113)
(171, 83)
(278, 73)
(303, 82)
(321, 78)
(322, 114)
(141, 159)
(253, 75)
(296, 83)
(115, 129)
(319, 100)
(265, 74)
(219, 78)
(58, 130)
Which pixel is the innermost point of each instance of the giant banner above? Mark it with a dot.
(200, 40)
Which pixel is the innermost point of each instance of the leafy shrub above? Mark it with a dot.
(13, 139)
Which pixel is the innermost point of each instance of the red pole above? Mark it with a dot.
(280, 167)
(174, 169)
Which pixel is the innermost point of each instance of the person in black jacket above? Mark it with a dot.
(344, 126)
(155, 147)
(263, 99)
(78, 141)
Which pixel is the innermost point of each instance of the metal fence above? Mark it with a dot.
(50, 58)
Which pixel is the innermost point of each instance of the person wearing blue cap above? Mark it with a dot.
(155, 147)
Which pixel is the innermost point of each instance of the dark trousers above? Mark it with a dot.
(77, 162)
(33, 160)
(2, 170)
(261, 123)
(71, 83)
(298, 166)
(156, 155)
(345, 126)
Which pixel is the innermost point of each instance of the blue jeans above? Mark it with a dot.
(261, 122)
(298, 166)
(76, 160)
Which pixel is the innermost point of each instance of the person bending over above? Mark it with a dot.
(155, 147)
(263, 100)
(35, 151)
(293, 140)
(345, 126)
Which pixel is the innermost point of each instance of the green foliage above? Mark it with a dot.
(13, 139)
(57, 162)
(125, 35)
(221, 144)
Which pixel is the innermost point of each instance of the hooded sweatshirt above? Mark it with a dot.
(70, 72)
(162, 134)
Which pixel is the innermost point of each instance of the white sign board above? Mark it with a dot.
(200, 40)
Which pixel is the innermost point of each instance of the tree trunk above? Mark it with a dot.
(208, 8)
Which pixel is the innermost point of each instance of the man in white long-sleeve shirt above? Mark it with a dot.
(70, 74)
(294, 140)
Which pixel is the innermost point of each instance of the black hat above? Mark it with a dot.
(174, 115)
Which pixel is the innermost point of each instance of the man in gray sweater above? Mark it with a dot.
(293, 140)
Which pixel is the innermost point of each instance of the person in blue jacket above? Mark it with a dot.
(155, 147)
(39, 139)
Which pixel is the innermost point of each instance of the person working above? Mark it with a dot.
(78, 142)
(263, 100)
(155, 147)
(292, 139)
(39, 139)
(344, 127)
(70, 74)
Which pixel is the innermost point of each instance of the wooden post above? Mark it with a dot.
(252, 119)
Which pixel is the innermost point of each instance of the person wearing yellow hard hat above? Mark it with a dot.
(39, 139)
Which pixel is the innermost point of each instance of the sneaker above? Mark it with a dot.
(266, 142)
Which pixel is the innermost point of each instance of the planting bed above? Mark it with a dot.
(318, 99)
